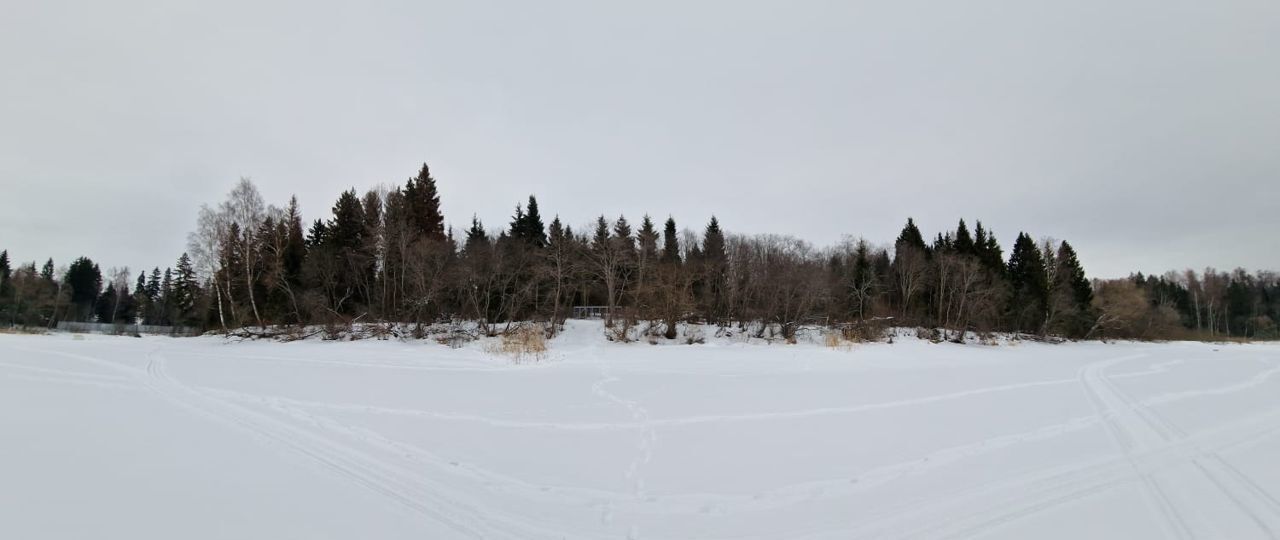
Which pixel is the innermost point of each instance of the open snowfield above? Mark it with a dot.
(159, 438)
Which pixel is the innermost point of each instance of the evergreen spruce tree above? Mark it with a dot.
(1070, 279)
(166, 297)
(317, 235)
(185, 291)
(153, 285)
(911, 237)
(943, 244)
(534, 231)
(600, 240)
(964, 244)
(713, 242)
(516, 229)
(85, 281)
(988, 250)
(6, 274)
(477, 238)
(346, 231)
(295, 249)
(1029, 279)
(647, 237)
(106, 304)
(622, 236)
(710, 266)
(140, 295)
(670, 242)
(346, 237)
(424, 205)
(46, 273)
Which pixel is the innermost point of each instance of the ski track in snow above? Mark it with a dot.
(1149, 446)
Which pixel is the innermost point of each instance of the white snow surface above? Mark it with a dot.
(202, 438)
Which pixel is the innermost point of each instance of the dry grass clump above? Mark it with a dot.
(523, 342)
(836, 339)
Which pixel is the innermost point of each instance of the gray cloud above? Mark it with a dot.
(1143, 132)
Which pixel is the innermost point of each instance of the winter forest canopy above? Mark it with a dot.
(387, 257)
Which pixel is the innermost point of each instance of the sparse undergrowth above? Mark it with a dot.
(523, 342)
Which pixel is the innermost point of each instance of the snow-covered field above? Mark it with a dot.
(159, 438)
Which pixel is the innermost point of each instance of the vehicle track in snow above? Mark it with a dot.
(1132, 436)
(972, 511)
(396, 483)
(1250, 498)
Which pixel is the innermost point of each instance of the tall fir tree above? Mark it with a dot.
(670, 242)
(963, 243)
(84, 278)
(988, 250)
(647, 237)
(295, 249)
(318, 234)
(6, 275)
(1029, 279)
(713, 242)
(1070, 280)
(153, 284)
(424, 205)
(910, 236)
(47, 272)
(186, 290)
(477, 237)
(534, 231)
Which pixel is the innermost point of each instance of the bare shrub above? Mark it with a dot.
(521, 342)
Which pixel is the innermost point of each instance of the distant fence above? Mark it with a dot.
(590, 312)
(106, 328)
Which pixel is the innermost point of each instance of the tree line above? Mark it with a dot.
(387, 257)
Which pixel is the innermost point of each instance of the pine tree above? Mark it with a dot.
(1070, 279)
(424, 205)
(153, 284)
(166, 297)
(106, 304)
(346, 231)
(600, 239)
(670, 242)
(516, 229)
(477, 238)
(1029, 278)
(910, 266)
(534, 231)
(988, 250)
(622, 236)
(317, 235)
(139, 298)
(713, 242)
(295, 250)
(46, 273)
(85, 281)
(6, 274)
(647, 237)
(910, 236)
(963, 244)
(185, 291)
(710, 266)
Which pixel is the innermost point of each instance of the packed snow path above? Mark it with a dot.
(110, 437)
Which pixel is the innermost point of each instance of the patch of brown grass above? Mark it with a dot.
(523, 342)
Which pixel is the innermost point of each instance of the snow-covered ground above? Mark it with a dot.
(159, 438)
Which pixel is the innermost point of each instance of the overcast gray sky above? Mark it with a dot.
(1145, 132)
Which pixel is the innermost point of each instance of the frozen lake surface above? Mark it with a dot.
(158, 438)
